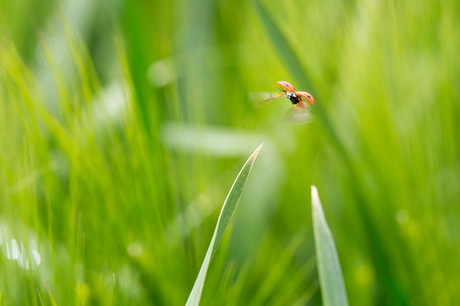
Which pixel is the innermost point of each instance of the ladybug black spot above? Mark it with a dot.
(309, 96)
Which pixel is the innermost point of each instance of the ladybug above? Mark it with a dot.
(294, 96)
(300, 113)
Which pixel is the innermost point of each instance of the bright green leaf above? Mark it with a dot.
(224, 218)
(330, 274)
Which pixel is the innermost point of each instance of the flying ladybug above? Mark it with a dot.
(300, 112)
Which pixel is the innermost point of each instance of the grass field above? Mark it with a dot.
(123, 125)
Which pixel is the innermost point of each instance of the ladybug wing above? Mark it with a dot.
(266, 98)
(299, 114)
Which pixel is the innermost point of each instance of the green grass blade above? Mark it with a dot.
(226, 213)
(330, 274)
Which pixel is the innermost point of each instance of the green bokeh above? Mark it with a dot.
(124, 123)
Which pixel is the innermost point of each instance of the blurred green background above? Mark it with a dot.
(124, 123)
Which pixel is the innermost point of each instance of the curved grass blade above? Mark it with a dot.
(224, 218)
(330, 273)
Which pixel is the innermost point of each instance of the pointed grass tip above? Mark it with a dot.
(254, 155)
(314, 194)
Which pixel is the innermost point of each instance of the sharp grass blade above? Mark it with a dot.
(330, 273)
(224, 218)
